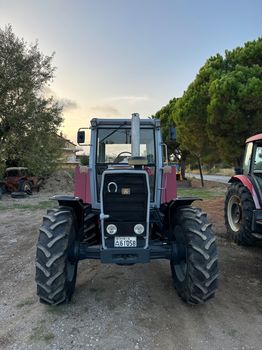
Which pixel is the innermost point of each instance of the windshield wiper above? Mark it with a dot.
(114, 131)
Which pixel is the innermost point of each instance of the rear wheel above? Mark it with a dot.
(56, 267)
(239, 206)
(194, 256)
(25, 186)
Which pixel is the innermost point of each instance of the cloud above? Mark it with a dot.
(128, 98)
(105, 110)
(66, 103)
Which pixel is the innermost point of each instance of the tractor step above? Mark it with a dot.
(257, 224)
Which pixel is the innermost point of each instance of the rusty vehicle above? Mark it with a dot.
(18, 179)
(126, 211)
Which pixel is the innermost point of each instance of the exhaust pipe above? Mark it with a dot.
(136, 159)
(135, 135)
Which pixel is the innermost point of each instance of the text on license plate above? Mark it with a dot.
(125, 242)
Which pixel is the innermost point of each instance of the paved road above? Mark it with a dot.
(217, 178)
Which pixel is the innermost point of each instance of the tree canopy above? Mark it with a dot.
(28, 121)
(222, 106)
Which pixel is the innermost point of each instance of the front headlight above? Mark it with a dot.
(111, 229)
(139, 229)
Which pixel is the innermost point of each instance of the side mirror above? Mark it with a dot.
(172, 133)
(80, 137)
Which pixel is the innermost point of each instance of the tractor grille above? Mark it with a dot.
(130, 207)
(125, 200)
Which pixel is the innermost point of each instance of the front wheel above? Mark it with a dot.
(56, 267)
(194, 256)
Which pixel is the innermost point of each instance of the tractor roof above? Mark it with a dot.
(254, 138)
(16, 168)
(117, 122)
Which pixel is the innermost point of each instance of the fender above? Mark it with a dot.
(169, 208)
(73, 202)
(177, 202)
(248, 184)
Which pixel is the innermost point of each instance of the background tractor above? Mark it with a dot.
(18, 180)
(243, 203)
(126, 211)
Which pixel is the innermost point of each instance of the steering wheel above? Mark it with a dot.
(120, 156)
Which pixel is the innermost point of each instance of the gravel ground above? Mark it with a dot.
(124, 308)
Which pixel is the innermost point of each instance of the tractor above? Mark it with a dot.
(18, 179)
(243, 202)
(125, 211)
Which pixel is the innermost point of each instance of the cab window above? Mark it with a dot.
(114, 145)
(114, 149)
(247, 158)
(258, 159)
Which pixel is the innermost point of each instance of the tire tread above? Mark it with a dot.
(51, 257)
(201, 280)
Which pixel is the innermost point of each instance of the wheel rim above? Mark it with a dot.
(27, 188)
(180, 260)
(234, 213)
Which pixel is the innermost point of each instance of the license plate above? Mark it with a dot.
(121, 242)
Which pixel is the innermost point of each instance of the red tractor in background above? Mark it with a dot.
(18, 180)
(243, 203)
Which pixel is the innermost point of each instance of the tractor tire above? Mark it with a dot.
(56, 269)
(90, 232)
(25, 186)
(194, 256)
(238, 212)
(19, 195)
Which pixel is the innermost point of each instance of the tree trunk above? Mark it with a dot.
(184, 155)
(200, 171)
(183, 169)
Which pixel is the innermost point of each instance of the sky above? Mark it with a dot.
(117, 57)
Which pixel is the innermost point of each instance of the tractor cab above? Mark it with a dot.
(252, 165)
(113, 150)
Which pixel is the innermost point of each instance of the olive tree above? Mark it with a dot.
(28, 120)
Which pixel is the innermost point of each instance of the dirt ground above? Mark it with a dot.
(125, 308)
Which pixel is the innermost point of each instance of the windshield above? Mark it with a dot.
(114, 145)
(11, 173)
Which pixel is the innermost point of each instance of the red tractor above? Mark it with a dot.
(243, 203)
(126, 211)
